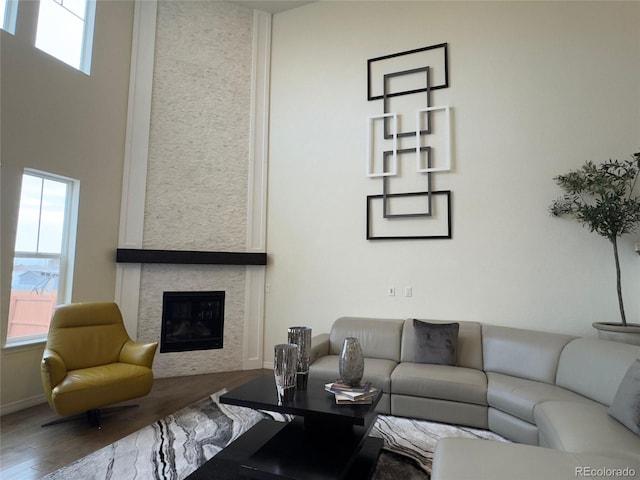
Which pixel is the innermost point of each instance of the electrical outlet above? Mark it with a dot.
(408, 291)
(638, 247)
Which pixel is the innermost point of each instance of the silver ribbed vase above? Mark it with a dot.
(351, 363)
(284, 368)
(301, 336)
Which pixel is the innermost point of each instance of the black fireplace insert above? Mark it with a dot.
(192, 321)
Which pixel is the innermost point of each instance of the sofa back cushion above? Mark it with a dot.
(522, 353)
(594, 368)
(469, 343)
(379, 338)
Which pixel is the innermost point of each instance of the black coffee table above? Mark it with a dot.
(323, 441)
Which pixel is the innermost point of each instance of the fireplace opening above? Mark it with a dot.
(192, 321)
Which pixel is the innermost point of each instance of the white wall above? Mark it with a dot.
(59, 120)
(536, 89)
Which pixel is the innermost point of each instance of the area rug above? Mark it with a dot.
(172, 448)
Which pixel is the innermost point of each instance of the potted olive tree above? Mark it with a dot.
(604, 199)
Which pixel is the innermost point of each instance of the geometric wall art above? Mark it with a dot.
(437, 227)
(434, 55)
(382, 162)
(445, 138)
(408, 143)
(394, 206)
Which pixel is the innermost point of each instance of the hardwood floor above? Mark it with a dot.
(29, 451)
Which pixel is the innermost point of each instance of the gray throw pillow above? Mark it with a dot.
(435, 343)
(626, 404)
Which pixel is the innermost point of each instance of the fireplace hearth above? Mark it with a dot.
(192, 321)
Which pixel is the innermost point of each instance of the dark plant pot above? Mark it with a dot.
(618, 333)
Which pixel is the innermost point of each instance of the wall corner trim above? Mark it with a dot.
(257, 189)
(134, 176)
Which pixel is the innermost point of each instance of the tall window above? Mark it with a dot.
(65, 31)
(9, 12)
(44, 251)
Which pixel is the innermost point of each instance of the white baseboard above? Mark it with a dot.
(22, 404)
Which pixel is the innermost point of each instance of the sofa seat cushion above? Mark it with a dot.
(442, 382)
(376, 370)
(584, 427)
(518, 396)
(470, 458)
(513, 428)
(89, 388)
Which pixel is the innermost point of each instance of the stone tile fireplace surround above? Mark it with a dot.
(195, 173)
(156, 279)
(242, 334)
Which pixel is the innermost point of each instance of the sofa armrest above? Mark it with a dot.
(138, 353)
(52, 369)
(319, 347)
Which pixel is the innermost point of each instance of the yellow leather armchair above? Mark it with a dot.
(90, 362)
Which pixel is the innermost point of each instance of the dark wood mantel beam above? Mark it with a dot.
(134, 255)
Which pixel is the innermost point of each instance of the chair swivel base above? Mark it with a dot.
(94, 417)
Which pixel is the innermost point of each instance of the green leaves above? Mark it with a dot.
(601, 197)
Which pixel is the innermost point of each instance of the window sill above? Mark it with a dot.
(24, 345)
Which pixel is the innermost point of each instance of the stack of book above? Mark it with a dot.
(361, 394)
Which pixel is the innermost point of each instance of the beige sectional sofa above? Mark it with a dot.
(537, 389)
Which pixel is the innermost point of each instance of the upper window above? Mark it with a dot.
(65, 31)
(44, 252)
(9, 11)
